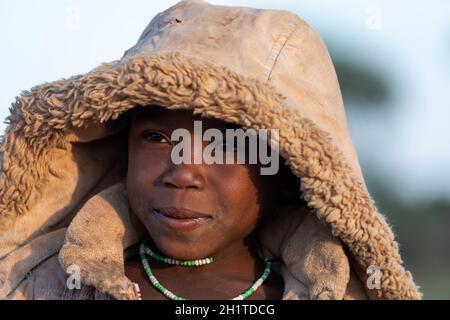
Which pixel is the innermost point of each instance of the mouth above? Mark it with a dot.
(181, 219)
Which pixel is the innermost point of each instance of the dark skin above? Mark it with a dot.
(233, 198)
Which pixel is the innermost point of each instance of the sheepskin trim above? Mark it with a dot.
(40, 118)
(26, 155)
(339, 199)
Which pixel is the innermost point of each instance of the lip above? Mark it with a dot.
(180, 218)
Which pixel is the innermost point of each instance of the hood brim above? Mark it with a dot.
(53, 117)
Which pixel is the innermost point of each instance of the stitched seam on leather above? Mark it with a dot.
(274, 57)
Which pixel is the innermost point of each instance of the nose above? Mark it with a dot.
(184, 176)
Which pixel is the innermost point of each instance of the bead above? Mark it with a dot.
(189, 263)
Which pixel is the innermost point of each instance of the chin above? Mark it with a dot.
(180, 250)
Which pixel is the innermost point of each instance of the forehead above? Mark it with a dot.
(174, 118)
(155, 113)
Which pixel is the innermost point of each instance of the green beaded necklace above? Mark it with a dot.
(187, 263)
(190, 263)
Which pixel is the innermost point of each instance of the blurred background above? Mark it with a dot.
(393, 64)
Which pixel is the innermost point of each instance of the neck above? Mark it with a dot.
(239, 258)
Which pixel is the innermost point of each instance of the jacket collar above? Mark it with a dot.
(101, 259)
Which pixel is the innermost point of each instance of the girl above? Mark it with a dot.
(93, 207)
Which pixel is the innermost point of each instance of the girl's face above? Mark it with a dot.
(191, 211)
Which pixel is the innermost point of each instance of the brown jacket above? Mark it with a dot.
(64, 158)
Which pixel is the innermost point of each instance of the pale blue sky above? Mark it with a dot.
(46, 40)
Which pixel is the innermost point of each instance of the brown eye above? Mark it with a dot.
(155, 137)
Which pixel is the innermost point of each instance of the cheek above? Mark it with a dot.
(143, 170)
(239, 196)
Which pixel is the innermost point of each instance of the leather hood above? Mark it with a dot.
(256, 68)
